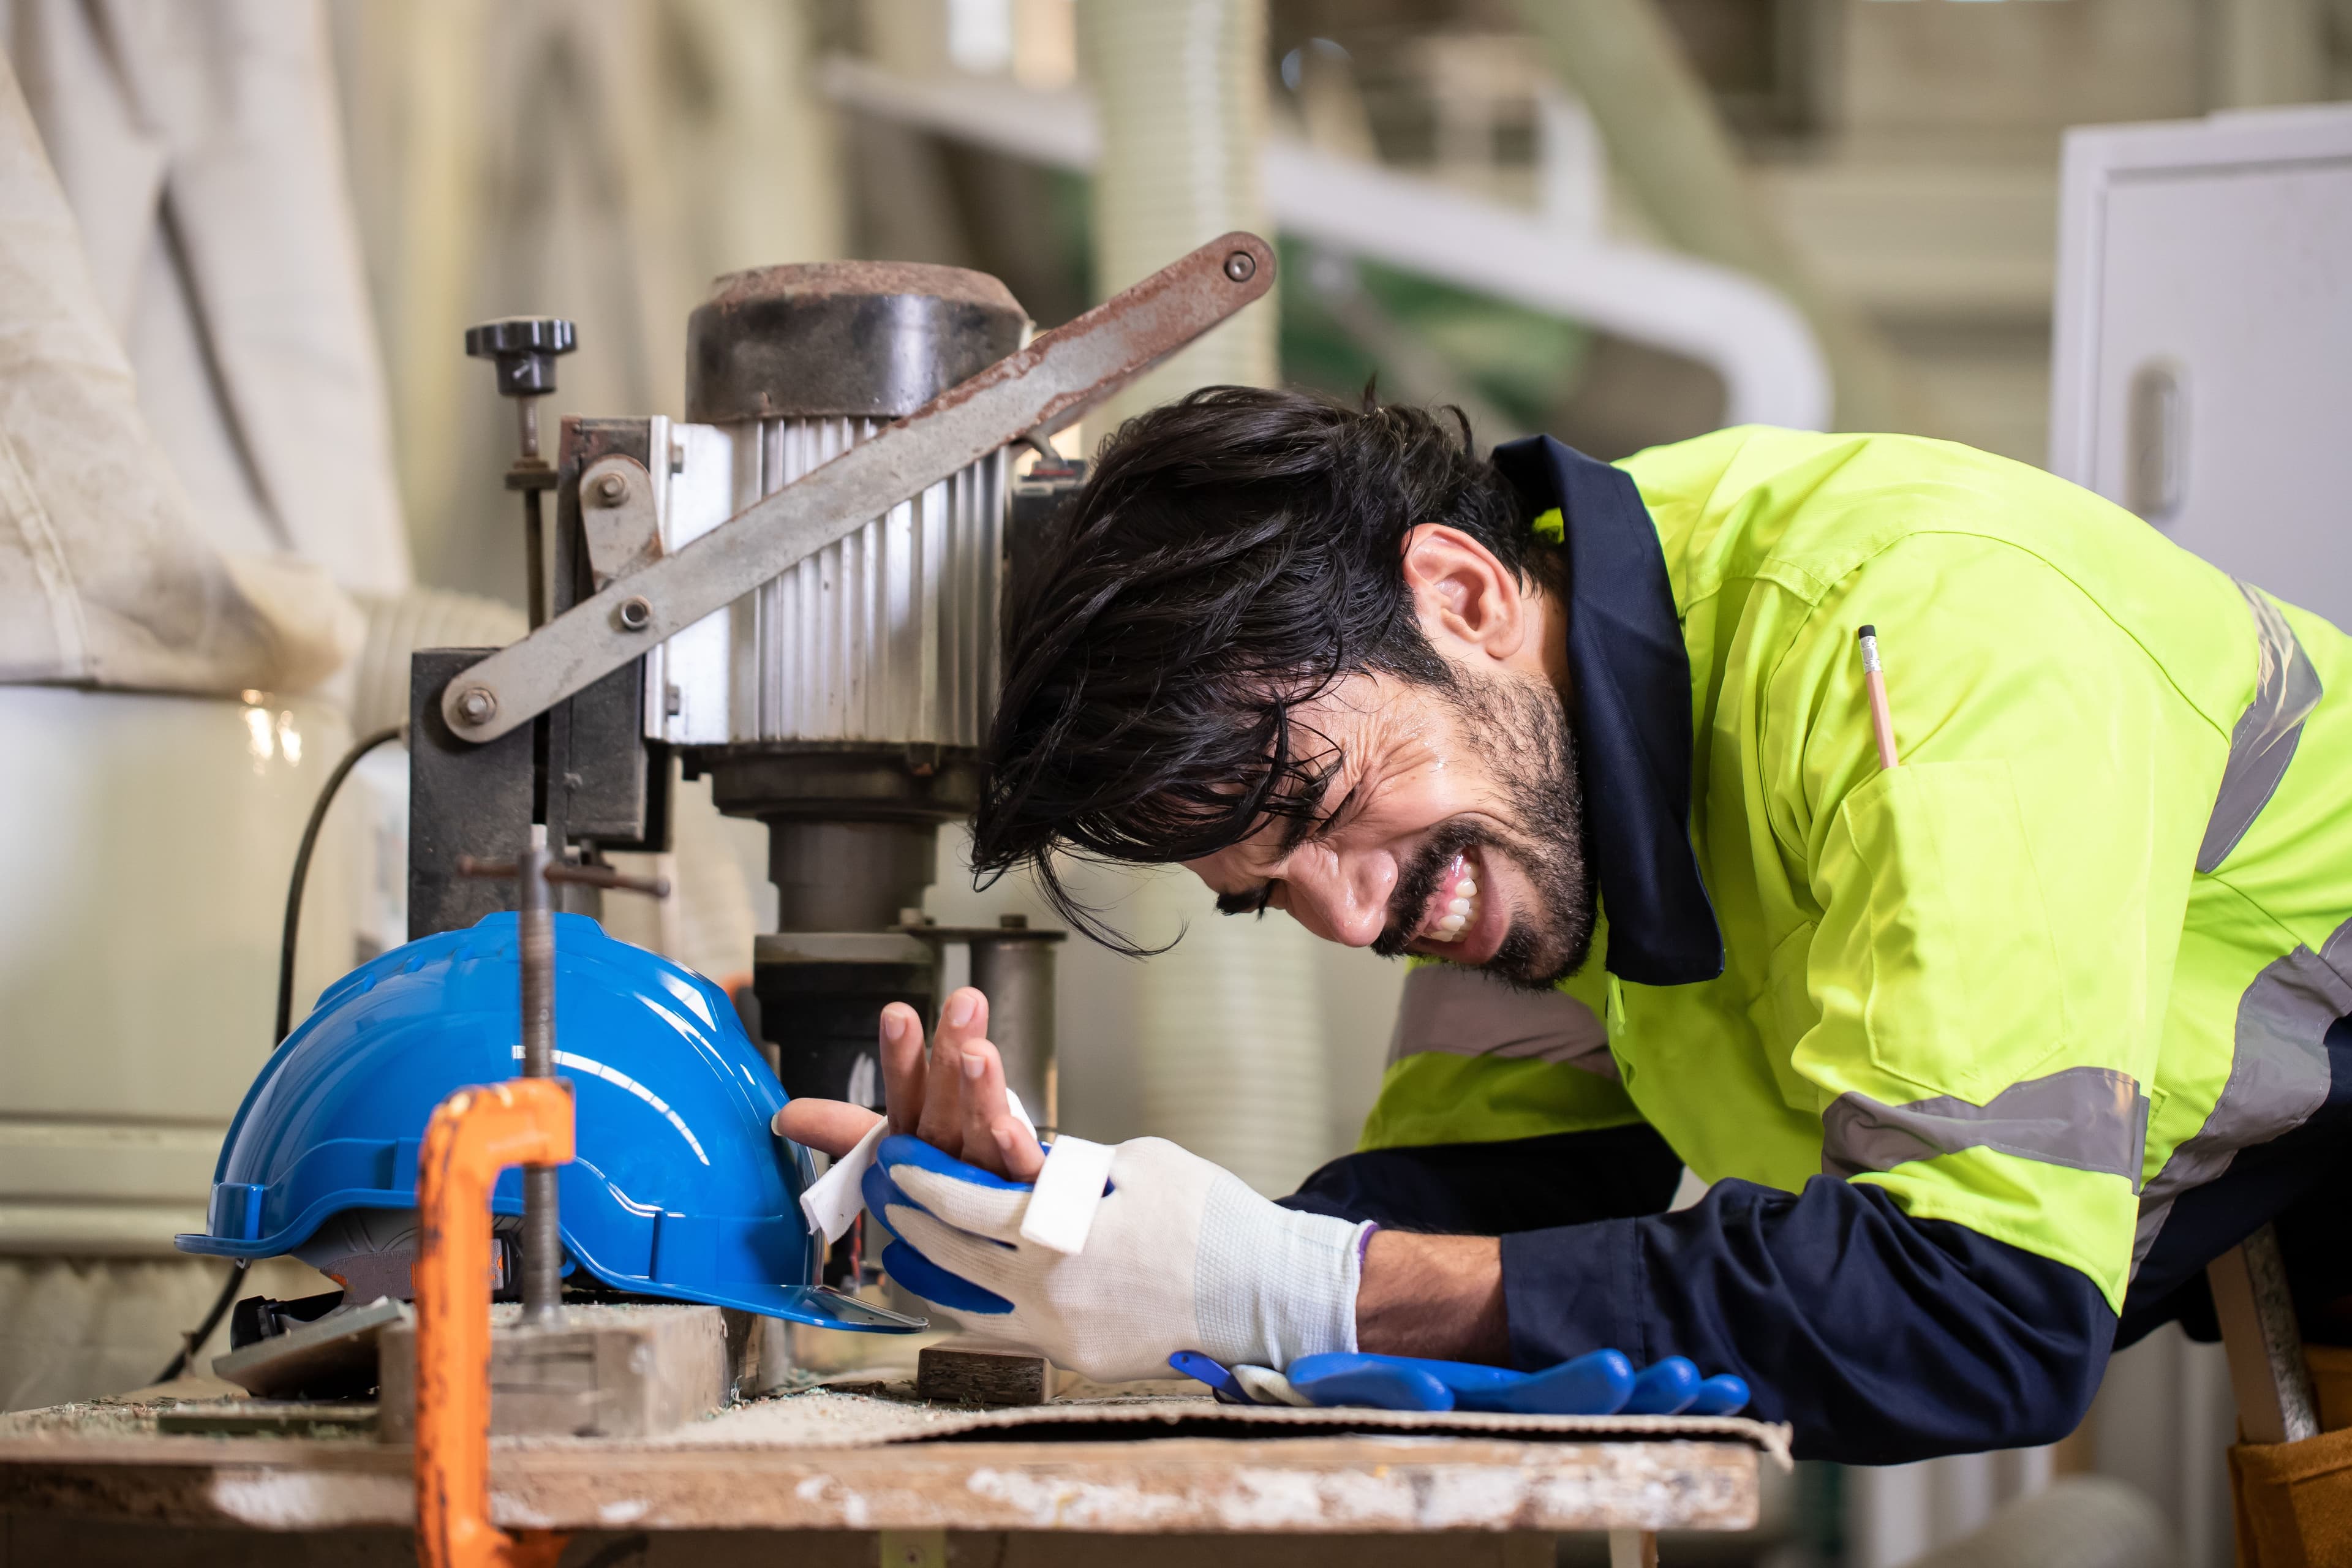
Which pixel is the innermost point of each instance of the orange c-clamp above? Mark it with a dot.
(474, 1134)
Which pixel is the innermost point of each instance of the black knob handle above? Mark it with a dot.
(525, 348)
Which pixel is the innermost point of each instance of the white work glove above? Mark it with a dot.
(1181, 1256)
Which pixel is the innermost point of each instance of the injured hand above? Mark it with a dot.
(954, 1098)
(1179, 1255)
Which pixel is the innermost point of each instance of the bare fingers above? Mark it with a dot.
(993, 1138)
(902, 1066)
(963, 1019)
(830, 1126)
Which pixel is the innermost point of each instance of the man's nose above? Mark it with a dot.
(1341, 900)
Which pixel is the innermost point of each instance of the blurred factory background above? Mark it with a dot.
(1891, 166)
(1619, 221)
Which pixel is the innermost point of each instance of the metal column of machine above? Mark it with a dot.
(1011, 963)
(856, 717)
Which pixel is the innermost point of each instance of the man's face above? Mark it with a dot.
(1453, 826)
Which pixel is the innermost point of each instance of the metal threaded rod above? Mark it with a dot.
(537, 870)
(528, 467)
(543, 1243)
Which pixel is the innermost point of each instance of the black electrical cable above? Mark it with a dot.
(190, 1340)
(360, 748)
(196, 1336)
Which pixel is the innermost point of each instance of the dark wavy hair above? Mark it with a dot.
(1233, 555)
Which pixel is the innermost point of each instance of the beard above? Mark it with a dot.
(1520, 730)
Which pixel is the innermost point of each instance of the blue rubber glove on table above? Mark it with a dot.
(1600, 1384)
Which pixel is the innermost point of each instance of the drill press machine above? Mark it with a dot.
(796, 590)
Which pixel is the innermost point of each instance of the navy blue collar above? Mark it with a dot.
(1633, 708)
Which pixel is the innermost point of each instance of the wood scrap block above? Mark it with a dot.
(611, 1370)
(2263, 1341)
(967, 1375)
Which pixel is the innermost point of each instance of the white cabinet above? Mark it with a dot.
(2202, 354)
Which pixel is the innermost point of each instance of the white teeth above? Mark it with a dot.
(1460, 909)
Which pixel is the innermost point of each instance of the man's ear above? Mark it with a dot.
(1469, 603)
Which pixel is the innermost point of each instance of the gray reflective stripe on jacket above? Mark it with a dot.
(2091, 1119)
(2278, 1073)
(2278, 1065)
(1462, 1012)
(2286, 689)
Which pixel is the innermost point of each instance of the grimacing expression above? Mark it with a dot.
(1452, 827)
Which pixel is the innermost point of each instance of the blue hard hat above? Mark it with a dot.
(678, 1188)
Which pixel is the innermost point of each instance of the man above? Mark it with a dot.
(1985, 1055)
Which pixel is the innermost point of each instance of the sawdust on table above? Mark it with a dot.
(869, 1415)
(849, 1412)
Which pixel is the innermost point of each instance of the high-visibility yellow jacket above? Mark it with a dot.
(2052, 973)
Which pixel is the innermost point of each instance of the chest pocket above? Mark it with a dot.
(1934, 941)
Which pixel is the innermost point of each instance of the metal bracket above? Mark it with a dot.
(618, 520)
(1040, 389)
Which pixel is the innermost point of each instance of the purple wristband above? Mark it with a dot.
(1363, 1240)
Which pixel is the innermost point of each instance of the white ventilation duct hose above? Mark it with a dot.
(1230, 1029)
(1230, 1051)
(398, 624)
(1183, 96)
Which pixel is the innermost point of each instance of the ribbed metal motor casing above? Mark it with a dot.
(889, 635)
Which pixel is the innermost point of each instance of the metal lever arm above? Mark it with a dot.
(1042, 388)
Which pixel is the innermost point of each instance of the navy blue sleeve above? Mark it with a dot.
(1490, 1189)
(1881, 1338)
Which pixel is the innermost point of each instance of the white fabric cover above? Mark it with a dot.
(200, 149)
(111, 574)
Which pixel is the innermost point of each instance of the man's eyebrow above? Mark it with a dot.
(1248, 901)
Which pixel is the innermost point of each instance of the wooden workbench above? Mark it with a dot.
(981, 1490)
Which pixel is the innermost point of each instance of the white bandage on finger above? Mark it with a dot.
(1020, 1112)
(832, 1201)
(830, 1204)
(1067, 1192)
